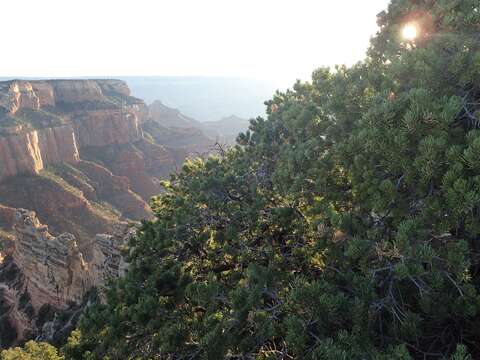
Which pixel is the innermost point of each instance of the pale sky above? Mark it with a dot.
(276, 39)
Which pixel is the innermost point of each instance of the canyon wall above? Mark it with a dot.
(18, 94)
(84, 157)
(50, 272)
(47, 122)
(29, 152)
(50, 260)
(48, 128)
(50, 122)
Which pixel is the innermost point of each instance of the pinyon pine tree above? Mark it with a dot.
(345, 225)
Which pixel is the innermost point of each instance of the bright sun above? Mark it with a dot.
(410, 32)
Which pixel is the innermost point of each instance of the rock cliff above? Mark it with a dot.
(30, 152)
(46, 271)
(84, 157)
(47, 123)
(18, 94)
(106, 127)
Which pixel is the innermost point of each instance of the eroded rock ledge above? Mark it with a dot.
(49, 272)
(80, 154)
(30, 152)
(48, 122)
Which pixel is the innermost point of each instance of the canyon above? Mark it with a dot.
(79, 162)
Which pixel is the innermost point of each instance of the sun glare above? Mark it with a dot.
(410, 32)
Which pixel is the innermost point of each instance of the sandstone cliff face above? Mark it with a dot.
(58, 145)
(57, 271)
(46, 270)
(55, 267)
(18, 94)
(44, 92)
(106, 127)
(75, 154)
(30, 152)
(72, 91)
(20, 154)
(47, 127)
(92, 113)
(61, 206)
(104, 185)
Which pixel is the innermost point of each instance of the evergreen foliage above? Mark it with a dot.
(343, 226)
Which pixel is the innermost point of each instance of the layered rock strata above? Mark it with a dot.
(49, 122)
(31, 152)
(50, 271)
(84, 157)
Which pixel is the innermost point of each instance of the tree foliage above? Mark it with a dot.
(32, 351)
(343, 226)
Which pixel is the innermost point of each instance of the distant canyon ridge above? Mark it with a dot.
(204, 98)
(79, 161)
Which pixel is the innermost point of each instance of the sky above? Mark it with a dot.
(269, 39)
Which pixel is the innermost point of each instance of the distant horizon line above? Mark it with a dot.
(133, 76)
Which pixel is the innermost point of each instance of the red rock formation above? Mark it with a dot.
(58, 145)
(131, 163)
(76, 91)
(159, 160)
(18, 94)
(96, 113)
(115, 190)
(20, 154)
(74, 152)
(96, 120)
(63, 207)
(54, 266)
(47, 270)
(30, 152)
(48, 131)
(45, 93)
(106, 127)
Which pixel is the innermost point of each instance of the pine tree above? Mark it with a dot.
(343, 226)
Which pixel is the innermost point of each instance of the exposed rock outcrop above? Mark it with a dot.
(20, 154)
(45, 93)
(58, 145)
(74, 91)
(7, 218)
(53, 121)
(30, 152)
(78, 155)
(54, 266)
(106, 127)
(46, 270)
(142, 162)
(18, 94)
(103, 185)
(63, 207)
